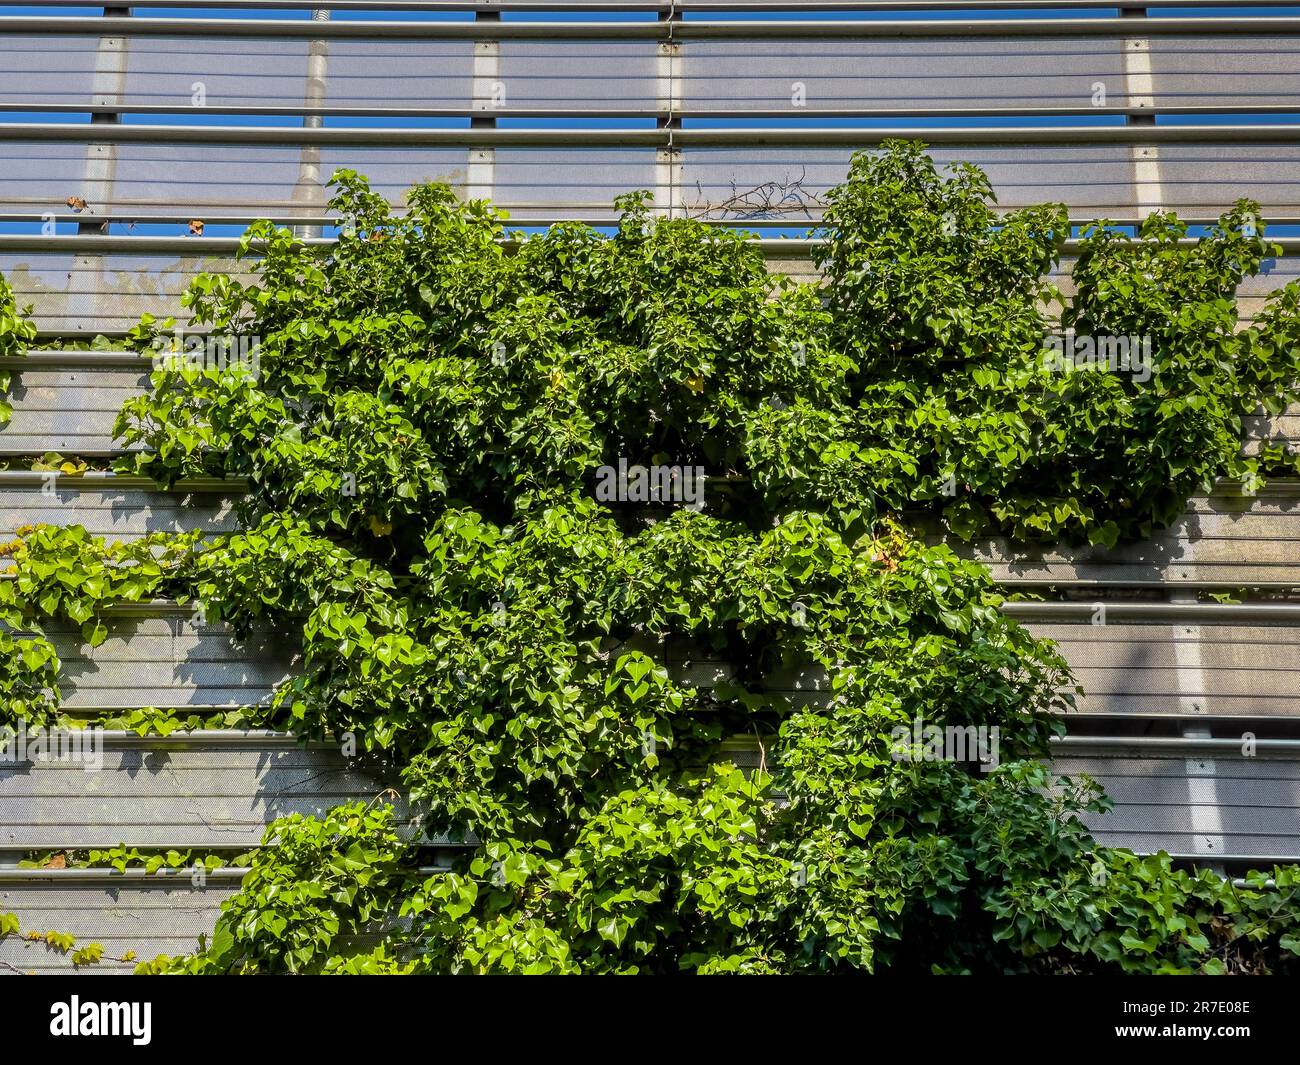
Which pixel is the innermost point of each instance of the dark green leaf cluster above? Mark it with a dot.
(557, 682)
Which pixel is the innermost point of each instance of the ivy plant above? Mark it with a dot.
(556, 680)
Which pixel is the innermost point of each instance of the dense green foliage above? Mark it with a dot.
(941, 306)
(433, 361)
(16, 332)
(421, 439)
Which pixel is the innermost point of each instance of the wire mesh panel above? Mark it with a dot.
(162, 917)
(88, 294)
(1246, 71)
(806, 76)
(565, 75)
(1195, 806)
(539, 182)
(170, 661)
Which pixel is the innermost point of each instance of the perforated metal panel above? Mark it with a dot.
(1093, 180)
(1187, 669)
(170, 661)
(547, 182)
(149, 918)
(209, 180)
(69, 411)
(47, 69)
(1247, 71)
(812, 75)
(565, 75)
(1226, 537)
(113, 513)
(181, 795)
(176, 793)
(1195, 806)
(89, 294)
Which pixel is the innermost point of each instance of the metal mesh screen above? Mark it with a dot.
(576, 74)
(104, 293)
(562, 180)
(1249, 71)
(1092, 180)
(905, 74)
(210, 179)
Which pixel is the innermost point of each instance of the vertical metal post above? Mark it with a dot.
(310, 189)
(668, 159)
(87, 279)
(1203, 803)
(1139, 91)
(1203, 807)
(108, 86)
(486, 97)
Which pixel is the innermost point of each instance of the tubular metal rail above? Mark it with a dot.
(1191, 711)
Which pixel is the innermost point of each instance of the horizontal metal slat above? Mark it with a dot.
(125, 915)
(1212, 803)
(286, 29)
(791, 136)
(683, 6)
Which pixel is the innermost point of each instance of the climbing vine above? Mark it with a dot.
(555, 676)
(16, 332)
